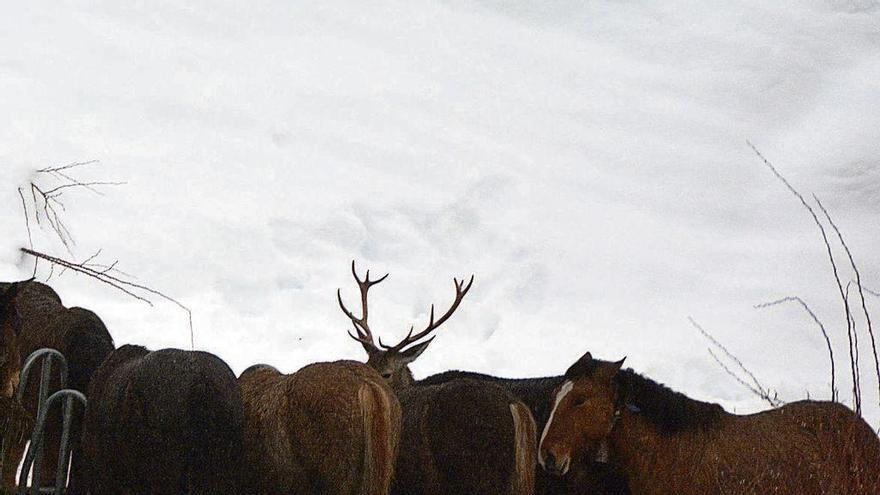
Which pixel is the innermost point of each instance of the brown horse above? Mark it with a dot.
(462, 437)
(32, 315)
(329, 428)
(665, 442)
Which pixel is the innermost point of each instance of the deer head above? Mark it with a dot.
(392, 361)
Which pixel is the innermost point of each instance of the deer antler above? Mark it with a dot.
(361, 327)
(460, 291)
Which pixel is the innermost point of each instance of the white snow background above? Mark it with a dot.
(587, 160)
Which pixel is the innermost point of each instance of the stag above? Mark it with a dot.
(33, 317)
(329, 428)
(163, 423)
(461, 437)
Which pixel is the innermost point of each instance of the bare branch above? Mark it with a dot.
(858, 285)
(66, 167)
(117, 283)
(773, 401)
(850, 330)
(755, 387)
(821, 326)
(27, 224)
(56, 191)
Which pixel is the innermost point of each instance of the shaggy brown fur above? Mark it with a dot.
(38, 319)
(16, 424)
(587, 478)
(329, 428)
(168, 422)
(464, 438)
(665, 442)
(10, 353)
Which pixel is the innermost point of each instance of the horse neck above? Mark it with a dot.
(648, 457)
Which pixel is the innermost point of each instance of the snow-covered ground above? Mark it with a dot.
(586, 160)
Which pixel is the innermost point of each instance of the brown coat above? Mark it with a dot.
(803, 448)
(465, 438)
(329, 428)
(38, 319)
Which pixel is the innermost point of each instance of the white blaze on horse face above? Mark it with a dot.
(563, 391)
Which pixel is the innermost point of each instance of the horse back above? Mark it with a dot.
(460, 437)
(166, 421)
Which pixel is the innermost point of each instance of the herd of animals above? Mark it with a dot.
(180, 422)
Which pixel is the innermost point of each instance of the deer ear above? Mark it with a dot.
(410, 355)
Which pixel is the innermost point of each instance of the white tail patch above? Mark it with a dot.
(563, 391)
(380, 440)
(525, 433)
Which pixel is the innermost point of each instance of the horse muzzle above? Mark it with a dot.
(555, 465)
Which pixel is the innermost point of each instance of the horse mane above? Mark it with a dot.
(670, 411)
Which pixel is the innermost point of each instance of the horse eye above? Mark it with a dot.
(386, 375)
(578, 402)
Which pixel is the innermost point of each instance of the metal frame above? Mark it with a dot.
(34, 455)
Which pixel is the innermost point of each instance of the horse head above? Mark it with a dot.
(584, 409)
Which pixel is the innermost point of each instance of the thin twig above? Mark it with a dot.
(734, 375)
(726, 352)
(821, 326)
(117, 283)
(755, 387)
(47, 201)
(56, 191)
(858, 285)
(27, 224)
(855, 342)
(857, 400)
(66, 167)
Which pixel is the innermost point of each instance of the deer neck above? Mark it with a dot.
(404, 379)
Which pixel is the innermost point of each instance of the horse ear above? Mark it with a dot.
(582, 367)
(609, 370)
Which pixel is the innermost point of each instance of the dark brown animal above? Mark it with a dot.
(168, 422)
(15, 421)
(665, 442)
(329, 428)
(38, 319)
(585, 478)
(461, 437)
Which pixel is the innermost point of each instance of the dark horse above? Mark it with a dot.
(163, 423)
(665, 442)
(584, 478)
(32, 317)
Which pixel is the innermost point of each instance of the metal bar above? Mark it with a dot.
(42, 411)
(64, 448)
(36, 446)
(35, 450)
(31, 361)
